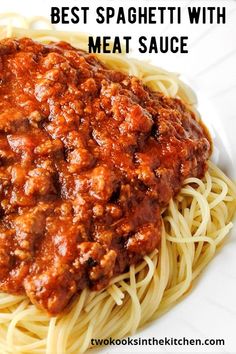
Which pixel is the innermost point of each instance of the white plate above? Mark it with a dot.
(210, 68)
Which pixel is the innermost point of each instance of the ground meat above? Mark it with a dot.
(88, 158)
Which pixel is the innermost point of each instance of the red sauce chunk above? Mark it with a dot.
(88, 158)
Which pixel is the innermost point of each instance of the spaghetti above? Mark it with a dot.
(195, 224)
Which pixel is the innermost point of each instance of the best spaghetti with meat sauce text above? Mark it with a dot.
(89, 157)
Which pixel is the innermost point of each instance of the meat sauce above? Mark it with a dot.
(88, 158)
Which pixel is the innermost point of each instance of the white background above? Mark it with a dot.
(210, 67)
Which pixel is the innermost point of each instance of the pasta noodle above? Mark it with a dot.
(195, 225)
